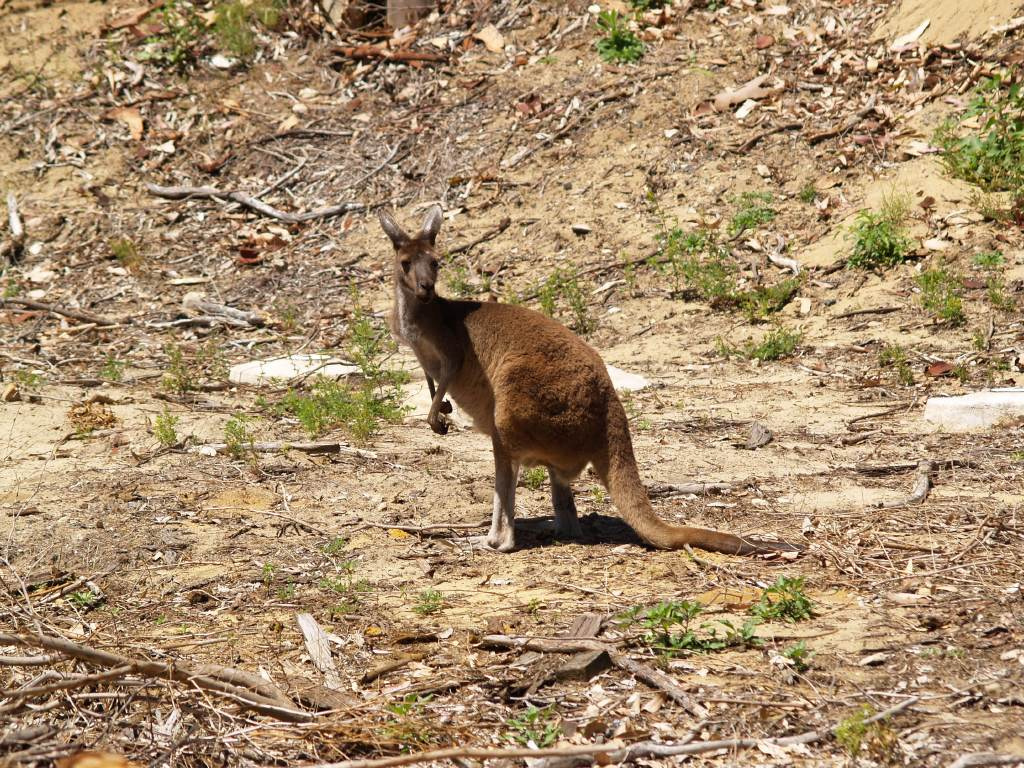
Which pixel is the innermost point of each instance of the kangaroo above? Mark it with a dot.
(539, 391)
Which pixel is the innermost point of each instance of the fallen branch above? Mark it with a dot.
(750, 143)
(489, 235)
(389, 666)
(869, 311)
(279, 446)
(896, 409)
(661, 490)
(973, 759)
(775, 257)
(848, 125)
(214, 679)
(74, 314)
(749, 90)
(607, 754)
(544, 644)
(658, 679)
(922, 487)
(197, 302)
(653, 677)
(377, 52)
(201, 193)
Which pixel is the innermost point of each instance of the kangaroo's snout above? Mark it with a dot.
(425, 290)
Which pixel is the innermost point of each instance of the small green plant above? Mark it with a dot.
(895, 357)
(165, 429)
(785, 600)
(233, 30)
(778, 343)
(618, 45)
(84, 599)
(287, 592)
(409, 724)
(880, 239)
(754, 209)
(940, 295)
(995, 291)
(991, 156)
(11, 288)
(808, 193)
(360, 410)
(857, 734)
(267, 574)
(764, 301)
(559, 289)
(238, 436)
(183, 375)
(660, 620)
(648, 5)
(598, 494)
(124, 250)
(113, 369)
(28, 381)
(988, 260)
(428, 602)
(534, 477)
(800, 655)
(962, 373)
(287, 315)
(179, 41)
(537, 728)
(335, 546)
(698, 262)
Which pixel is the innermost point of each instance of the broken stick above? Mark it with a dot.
(922, 487)
(74, 314)
(610, 754)
(209, 678)
(184, 193)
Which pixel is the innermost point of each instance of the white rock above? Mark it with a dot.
(279, 369)
(631, 382)
(39, 274)
(977, 410)
(220, 61)
(937, 244)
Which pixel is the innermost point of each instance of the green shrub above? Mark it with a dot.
(940, 295)
(880, 239)
(618, 45)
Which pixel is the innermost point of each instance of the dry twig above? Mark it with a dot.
(606, 753)
(184, 193)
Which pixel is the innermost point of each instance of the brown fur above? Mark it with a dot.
(538, 390)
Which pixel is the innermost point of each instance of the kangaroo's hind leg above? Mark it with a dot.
(567, 523)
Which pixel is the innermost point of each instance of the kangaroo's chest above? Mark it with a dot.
(407, 331)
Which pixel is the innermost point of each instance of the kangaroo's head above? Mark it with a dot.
(415, 257)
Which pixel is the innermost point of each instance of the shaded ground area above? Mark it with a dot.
(566, 181)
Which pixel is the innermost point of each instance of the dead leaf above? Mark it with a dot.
(132, 18)
(763, 41)
(130, 117)
(939, 368)
(928, 203)
(911, 37)
(491, 38)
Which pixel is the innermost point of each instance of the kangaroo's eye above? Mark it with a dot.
(405, 265)
(433, 264)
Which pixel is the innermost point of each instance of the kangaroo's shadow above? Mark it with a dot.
(539, 532)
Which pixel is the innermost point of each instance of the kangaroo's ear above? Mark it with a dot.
(391, 229)
(431, 224)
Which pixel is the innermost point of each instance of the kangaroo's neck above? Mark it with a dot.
(414, 319)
